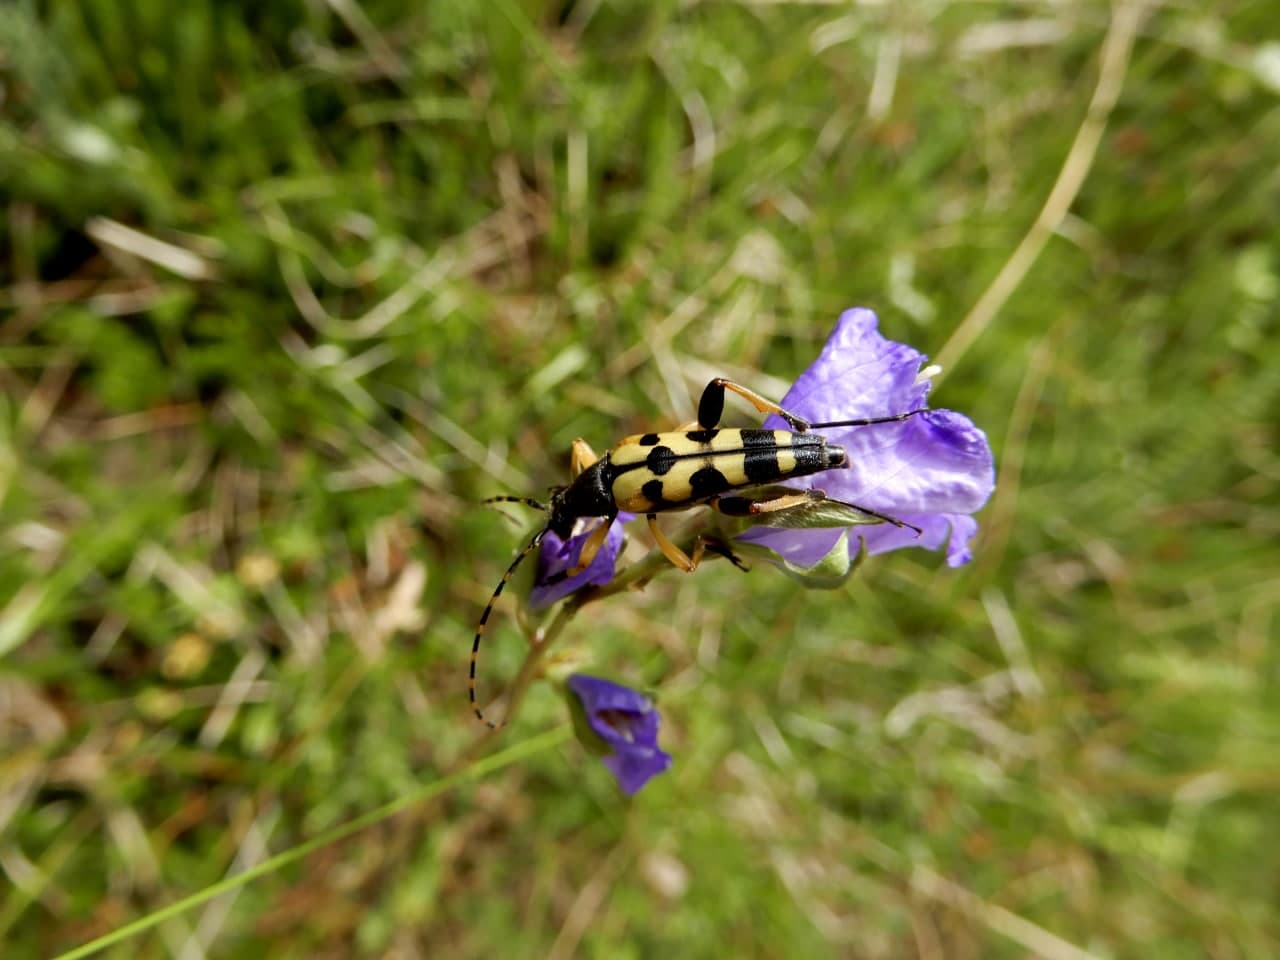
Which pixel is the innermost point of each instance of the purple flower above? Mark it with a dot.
(556, 556)
(932, 471)
(623, 725)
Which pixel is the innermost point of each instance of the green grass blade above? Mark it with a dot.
(480, 768)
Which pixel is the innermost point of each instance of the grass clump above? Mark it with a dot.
(287, 289)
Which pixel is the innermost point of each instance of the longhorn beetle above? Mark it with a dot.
(655, 473)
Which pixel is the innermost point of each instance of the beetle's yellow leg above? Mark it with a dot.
(581, 456)
(746, 507)
(673, 553)
(591, 547)
(711, 406)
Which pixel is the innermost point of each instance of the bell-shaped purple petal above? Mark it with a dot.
(626, 722)
(932, 470)
(556, 557)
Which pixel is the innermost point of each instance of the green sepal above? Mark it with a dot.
(591, 741)
(828, 573)
(811, 515)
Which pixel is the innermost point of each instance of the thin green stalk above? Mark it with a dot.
(480, 768)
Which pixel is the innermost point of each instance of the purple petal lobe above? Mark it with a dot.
(931, 470)
(626, 721)
(954, 530)
(633, 768)
(803, 548)
(858, 374)
(556, 557)
(936, 462)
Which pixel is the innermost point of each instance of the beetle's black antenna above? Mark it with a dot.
(867, 421)
(527, 501)
(484, 618)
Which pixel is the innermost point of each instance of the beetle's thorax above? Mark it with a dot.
(588, 496)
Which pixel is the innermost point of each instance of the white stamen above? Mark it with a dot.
(928, 373)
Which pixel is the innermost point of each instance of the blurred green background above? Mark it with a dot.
(287, 288)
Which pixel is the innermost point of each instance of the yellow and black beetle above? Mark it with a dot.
(696, 465)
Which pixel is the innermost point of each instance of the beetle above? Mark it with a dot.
(698, 464)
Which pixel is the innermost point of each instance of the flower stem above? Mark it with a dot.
(636, 576)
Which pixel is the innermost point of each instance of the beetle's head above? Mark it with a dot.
(588, 496)
(561, 517)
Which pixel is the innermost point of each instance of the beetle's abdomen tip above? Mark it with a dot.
(836, 457)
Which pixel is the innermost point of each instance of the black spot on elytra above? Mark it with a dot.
(707, 482)
(760, 456)
(648, 440)
(702, 436)
(660, 460)
(761, 465)
(652, 491)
